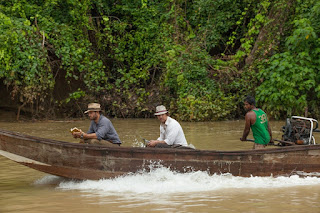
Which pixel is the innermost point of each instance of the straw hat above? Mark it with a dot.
(93, 107)
(161, 110)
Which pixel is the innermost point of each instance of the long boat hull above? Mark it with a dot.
(83, 161)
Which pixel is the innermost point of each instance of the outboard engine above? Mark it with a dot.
(299, 130)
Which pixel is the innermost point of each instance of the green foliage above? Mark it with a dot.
(75, 96)
(213, 20)
(76, 58)
(291, 78)
(254, 26)
(23, 60)
(132, 55)
(31, 40)
(193, 94)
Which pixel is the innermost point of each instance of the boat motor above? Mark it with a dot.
(299, 130)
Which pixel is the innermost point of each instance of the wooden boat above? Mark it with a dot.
(84, 161)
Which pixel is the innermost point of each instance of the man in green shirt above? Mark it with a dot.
(258, 121)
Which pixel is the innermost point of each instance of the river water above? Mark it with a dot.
(25, 190)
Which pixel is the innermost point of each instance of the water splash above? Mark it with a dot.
(137, 143)
(49, 180)
(162, 180)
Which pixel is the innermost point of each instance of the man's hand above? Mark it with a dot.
(243, 139)
(271, 142)
(152, 143)
(77, 134)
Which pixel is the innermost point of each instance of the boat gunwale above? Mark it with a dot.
(155, 150)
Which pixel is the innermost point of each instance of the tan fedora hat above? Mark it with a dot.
(93, 107)
(161, 110)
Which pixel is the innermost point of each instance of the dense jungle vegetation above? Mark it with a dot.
(200, 58)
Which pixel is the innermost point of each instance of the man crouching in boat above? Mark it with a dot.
(101, 130)
(258, 121)
(171, 133)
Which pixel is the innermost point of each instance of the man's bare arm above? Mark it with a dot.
(270, 132)
(248, 121)
(153, 143)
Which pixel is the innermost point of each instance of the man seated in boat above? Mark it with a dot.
(171, 133)
(257, 120)
(101, 130)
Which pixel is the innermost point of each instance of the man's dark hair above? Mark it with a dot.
(250, 100)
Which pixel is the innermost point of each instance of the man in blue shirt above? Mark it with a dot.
(101, 130)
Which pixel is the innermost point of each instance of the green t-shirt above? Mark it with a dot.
(260, 128)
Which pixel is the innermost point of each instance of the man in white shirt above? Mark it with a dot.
(171, 133)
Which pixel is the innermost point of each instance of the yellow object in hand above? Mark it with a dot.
(75, 129)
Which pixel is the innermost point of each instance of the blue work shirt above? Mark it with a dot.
(104, 130)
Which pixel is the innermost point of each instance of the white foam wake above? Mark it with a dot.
(164, 181)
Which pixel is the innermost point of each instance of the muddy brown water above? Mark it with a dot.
(25, 190)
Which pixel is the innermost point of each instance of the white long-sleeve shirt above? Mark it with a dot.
(171, 132)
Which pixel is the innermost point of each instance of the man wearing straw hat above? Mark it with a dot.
(101, 130)
(171, 133)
